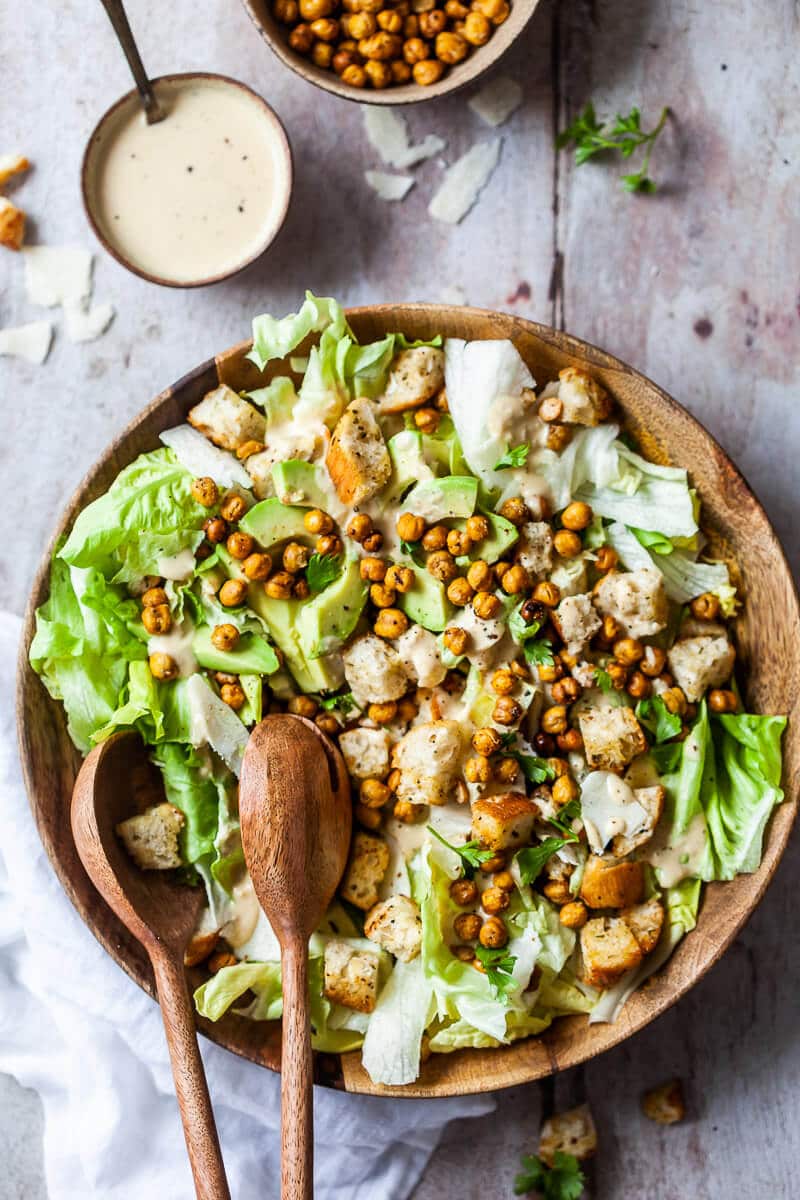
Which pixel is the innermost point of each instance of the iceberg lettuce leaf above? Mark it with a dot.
(645, 496)
(277, 337)
(684, 576)
(391, 1052)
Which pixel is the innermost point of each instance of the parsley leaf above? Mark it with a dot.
(603, 680)
(564, 818)
(667, 757)
(470, 854)
(414, 552)
(321, 571)
(499, 965)
(589, 136)
(563, 1181)
(531, 860)
(507, 739)
(344, 702)
(517, 456)
(535, 770)
(539, 653)
(657, 719)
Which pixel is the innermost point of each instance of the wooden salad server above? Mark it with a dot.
(296, 818)
(161, 914)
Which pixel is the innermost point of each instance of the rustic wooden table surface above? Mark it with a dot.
(698, 286)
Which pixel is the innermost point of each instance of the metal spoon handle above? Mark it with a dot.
(116, 13)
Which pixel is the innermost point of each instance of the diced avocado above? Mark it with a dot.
(408, 465)
(253, 655)
(328, 620)
(501, 537)
(280, 617)
(443, 499)
(270, 522)
(426, 603)
(444, 449)
(301, 483)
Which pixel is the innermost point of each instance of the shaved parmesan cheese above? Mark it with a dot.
(198, 455)
(463, 182)
(31, 342)
(388, 134)
(609, 807)
(430, 145)
(57, 274)
(495, 102)
(85, 324)
(214, 723)
(389, 187)
(12, 164)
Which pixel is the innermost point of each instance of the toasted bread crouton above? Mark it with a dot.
(652, 801)
(199, 948)
(12, 225)
(373, 671)
(428, 757)
(366, 867)
(227, 420)
(665, 1104)
(577, 623)
(699, 663)
(612, 737)
(151, 838)
(645, 922)
(351, 976)
(608, 950)
(12, 164)
(610, 884)
(366, 752)
(635, 599)
(358, 461)
(535, 548)
(572, 1132)
(505, 821)
(396, 925)
(583, 400)
(416, 375)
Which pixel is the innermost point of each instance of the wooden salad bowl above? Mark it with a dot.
(768, 653)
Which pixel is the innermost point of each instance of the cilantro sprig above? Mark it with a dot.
(656, 718)
(344, 702)
(531, 860)
(535, 769)
(563, 1181)
(471, 855)
(322, 570)
(625, 136)
(499, 966)
(603, 680)
(564, 818)
(515, 456)
(539, 653)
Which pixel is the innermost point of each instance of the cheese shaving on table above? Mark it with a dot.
(85, 324)
(387, 131)
(389, 187)
(57, 275)
(495, 102)
(464, 181)
(31, 342)
(12, 164)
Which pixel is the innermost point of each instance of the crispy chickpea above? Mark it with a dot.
(427, 420)
(515, 580)
(383, 713)
(477, 29)
(577, 516)
(382, 596)
(463, 953)
(233, 695)
(373, 542)
(318, 522)
(372, 570)
(497, 862)
(477, 769)
(500, 568)
(489, 8)
(225, 637)
(451, 48)
(322, 55)
(520, 670)
(502, 14)
(225, 677)
(721, 700)
(374, 794)
(554, 719)
(463, 892)
(393, 779)
(459, 591)
(286, 11)
(368, 818)
(495, 900)
(478, 527)
(610, 629)
(652, 661)
(361, 25)
(257, 566)
(467, 926)
(432, 23)
(232, 593)
(380, 45)
(547, 593)
(303, 706)
(574, 914)
(551, 407)
(558, 766)
(504, 880)
(486, 741)
(329, 543)
(390, 20)
(557, 890)
(607, 559)
(354, 75)
(705, 607)
(311, 10)
(401, 71)
(480, 576)
(247, 449)
(279, 586)
(409, 527)
(415, 50)
(558, 438)
(459, 543)
(516, 511)
(564, 790)
(486, 605)
(566, 690)
(400, 578)
(549, 672)
(628, 650)
(503, 682)
(544, 745)
(567, 544)
(441, 565)
(326, 29)
(506, 711)
(205, 491)
(407, 812)
(435, 538)
(301, 590)
(240, 545)
(157, 619)
(455, 10)
(506, 770)
(428, 72)
(407, 709)
(162, 666)
(233, 507)
(327, 723)
(675, 700)
(411, 25)
(341, 60)
(569, 741)
(154, 597)
(493, 933)
(391, 623)
(216, 530)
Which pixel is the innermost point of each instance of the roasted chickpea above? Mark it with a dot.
(400, 578)
(577, 516)
(547, 593)
(503, 682)
(279, 586)
(383, 713)
(407, 812)
(495, 900)
(506, 711)
(233, 695)
(652, 661)
(515, 580)
(456, 10)
(216, 530)
(382, 596)
(639, 686)
(569, 741)
(506, 770)
(486, 605)
(675, 700)
(480, 576)
(368, 818)
(504, 880)
(372, 570)
(225, 677)
(520, 670)
(628, 651)
(390, 20)
(494, 864)
(401, 71)
(477, 769)
(468, 926)
(558, 438)
(341, 60)
(477, 29)
(544, 744)
(301, 590)
(574, 914)
(551, 407)
(610, 629)
(459, 591)
(373, 542)
(361, 25)
(381, 45)
(486, 741)
(303, 706)
(257, 566)
(489, 8)
(427, 420)
(554, 719)
(432, 23)
(374, 794)
(232, 593)
(311, 10)
(566, 690)
(157, 619)
(225, 637)
(327, 723)
(154, 597)
(163, 667)
(409, 527)
(322, 54)
(567, 544)
(415, 50)
(318, 522)
(516, 511)
(326, 29)
(391, 623)
(503, 13)
(493, 932)
(286, 11)
(427, 72)
(393, 779)
(411, 25)
(618, 674)
(564, 790)
(478, 528)
(240, 545)
(441, 565)
(355, 76)
(233, 507)
(248, 449)
(550, 672)
(458, 543)
(558, 766)
(463, 892)
(607, 559)
(451, 48)
(205, 491)
(557, 890)
(705, 607)
(329, 543)
(722, 700)
(435, 538)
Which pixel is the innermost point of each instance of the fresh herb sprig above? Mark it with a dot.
(413, 551)
(535, 769)
(656, 718)
(344, 702)
(531, 860)
(539, 653)
(590, 137)
(515, 456)
(322, 570)
(471, 855)
(563, 1181)
(564, 818)
(603, 680)
(499, 966)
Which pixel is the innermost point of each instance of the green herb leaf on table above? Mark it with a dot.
(470, 854)
(656, 718)
(322, 570)
(590, 136)
(414, 552)
(539, 653)
(343, 702)
(517, 456)
(531, 860)
(499, 965)
(563, 1181)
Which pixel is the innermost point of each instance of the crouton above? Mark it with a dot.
(635, 599)
(645, 922)
(428, 757)
(572, 1132)
(227, 420)
(699, 663)
(608, 950)
(199, 948)
(505, 821)
(610, 884)
(612, 737)
(366, 752)
(358, 461)
(373, 671)
(535, 548)
(652, 801)
(366, 867)
(12, 164)
(665, 1104)
(416, 375)
(583, 400)
(12, 225)
(151, 838)
(418, 649)
(577, 623)
(351, 976)
(396, 925)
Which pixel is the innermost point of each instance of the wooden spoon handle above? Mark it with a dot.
(199, 1126)
(297, 1079)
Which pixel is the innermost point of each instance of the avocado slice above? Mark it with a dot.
(408, 464)
(443, 499)
(426, 603)
(253, 655)
(281, 617)
(299, 483)
(327, 620)
(270, 522)
(502, 535)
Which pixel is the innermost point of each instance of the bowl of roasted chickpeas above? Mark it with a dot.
(390, 51)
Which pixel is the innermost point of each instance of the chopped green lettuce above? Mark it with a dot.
(684, 577)
(644, 495)
(278, 337)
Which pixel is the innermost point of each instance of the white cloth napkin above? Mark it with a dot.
(75, 1028)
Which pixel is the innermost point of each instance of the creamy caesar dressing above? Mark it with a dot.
(178, 645)
(485, 637)
(681, 857)
(177, 567)
(198, 194)
(419, 654)
(609, 807)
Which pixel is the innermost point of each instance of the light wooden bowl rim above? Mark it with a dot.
(49, 768)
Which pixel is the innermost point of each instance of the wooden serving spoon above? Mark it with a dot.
(161, 914)
(296, 818)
